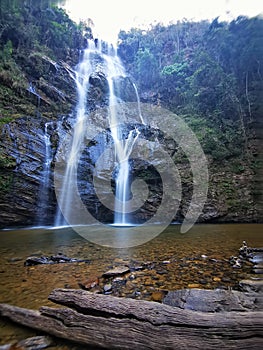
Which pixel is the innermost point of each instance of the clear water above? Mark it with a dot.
(200, 255)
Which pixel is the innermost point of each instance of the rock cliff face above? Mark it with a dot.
(22, 158)
(23, 155)
(26, 141)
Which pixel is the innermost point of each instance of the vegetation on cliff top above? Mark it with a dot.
(210, 73)
(33, 36)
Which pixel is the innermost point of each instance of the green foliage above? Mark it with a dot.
(7, 51)
(5, 182)
(33, 34)
(146, 67)
(211, 72)
(220, 142)
(200, 66)
(7, 162)
(4, 120)
(31, 24)
(177, 68)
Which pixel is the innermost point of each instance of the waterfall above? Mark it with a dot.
(82, 74)
(123, 151)
(93, 58)
(44, 192)
(138, 103)
(123, 146)
(33, 91)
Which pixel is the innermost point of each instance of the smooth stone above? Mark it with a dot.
(184, 265)
(161, 271)
(147, 282)
(6, 347)
(226, 279)
(118, 261)
(258, 266)
(89, 284)
(107, 288)
(157, 296)
(35, 260)
(203, 281)
(120, 270)
(256, 259)
(251, 285)
(32, 343)
(137, 268)
(193, 285)
(15, 259)
(217, 279)
(132, 277)
(118, 280)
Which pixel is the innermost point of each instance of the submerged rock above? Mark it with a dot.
(35, 343)
(89, 284)
(36, 260)
(107, 288)
(251, 285)
(158, 296)
(32, 343)
(120, 270)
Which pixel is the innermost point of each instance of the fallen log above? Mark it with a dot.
(117, 323)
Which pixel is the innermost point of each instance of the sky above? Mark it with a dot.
(111, 16)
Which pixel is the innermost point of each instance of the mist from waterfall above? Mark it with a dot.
(113, 69)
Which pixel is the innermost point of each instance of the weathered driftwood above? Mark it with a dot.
(118, 323)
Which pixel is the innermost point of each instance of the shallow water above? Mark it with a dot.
(199, 258)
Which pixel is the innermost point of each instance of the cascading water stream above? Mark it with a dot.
(82, 74)
(122, 182)
(138, 102)
(45, 186)
(32, 90)
(123, 145)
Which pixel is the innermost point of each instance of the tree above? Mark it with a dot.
(147, 68)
